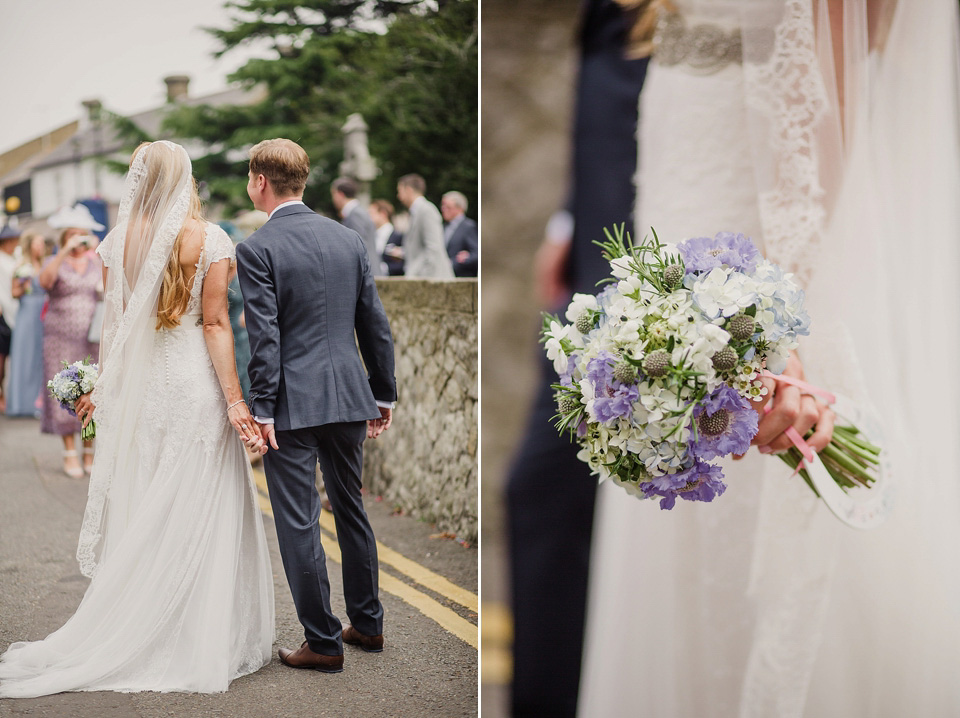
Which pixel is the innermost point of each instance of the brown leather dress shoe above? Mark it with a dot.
(303, 657)
(371, 644)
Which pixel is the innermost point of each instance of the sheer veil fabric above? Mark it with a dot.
(181, 597)
(763, 604)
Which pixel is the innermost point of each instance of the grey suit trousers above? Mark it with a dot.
(291, 479)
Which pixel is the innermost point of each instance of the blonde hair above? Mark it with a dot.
(284, 163)
(174, 293)
(26, 240)
(641, 34)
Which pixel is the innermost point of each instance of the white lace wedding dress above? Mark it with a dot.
(182, 596)
(762, 604)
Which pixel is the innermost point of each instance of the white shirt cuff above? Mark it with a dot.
(261, 420)
(386, 404)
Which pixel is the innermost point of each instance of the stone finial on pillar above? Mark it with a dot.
(357, 162)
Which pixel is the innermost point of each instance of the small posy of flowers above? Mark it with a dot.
(25, 271)
(658, 370)
(72, 382)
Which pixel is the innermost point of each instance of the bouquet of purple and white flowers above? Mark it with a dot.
(658, 370)
(72, 382)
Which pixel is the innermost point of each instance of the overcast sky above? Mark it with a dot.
(56, 53)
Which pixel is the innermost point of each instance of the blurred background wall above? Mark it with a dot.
(527, 76)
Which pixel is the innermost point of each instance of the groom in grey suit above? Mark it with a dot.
(310, 301)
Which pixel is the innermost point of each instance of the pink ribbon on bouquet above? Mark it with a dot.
(792, 433)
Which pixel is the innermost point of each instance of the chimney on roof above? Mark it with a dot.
(177, 87)
(93, 110)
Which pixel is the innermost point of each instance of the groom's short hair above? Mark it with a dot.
(284, 163)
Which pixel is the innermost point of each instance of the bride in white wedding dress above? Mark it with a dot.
(827, 131)
(182, 591)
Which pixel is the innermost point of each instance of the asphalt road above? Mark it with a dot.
(428, 589)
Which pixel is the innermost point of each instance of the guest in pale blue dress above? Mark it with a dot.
(27, 381)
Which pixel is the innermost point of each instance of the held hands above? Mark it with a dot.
(242, 421)
(791, 407)
(375, 427)
(84, 407)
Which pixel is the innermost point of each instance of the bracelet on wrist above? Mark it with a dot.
(235, 404)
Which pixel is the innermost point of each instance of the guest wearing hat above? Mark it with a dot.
(9, 239)
(27, 381)
(74, 280)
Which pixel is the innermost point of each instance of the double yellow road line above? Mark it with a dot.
(447, 618)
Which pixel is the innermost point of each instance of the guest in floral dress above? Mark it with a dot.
(27, 379)
(74, 280)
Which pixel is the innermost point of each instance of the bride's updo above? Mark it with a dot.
(163, 167)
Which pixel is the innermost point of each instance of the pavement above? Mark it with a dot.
(429, 586)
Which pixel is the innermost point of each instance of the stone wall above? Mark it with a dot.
(426, 463)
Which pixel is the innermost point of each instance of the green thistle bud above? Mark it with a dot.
(585, 321)
(673, 275)
(725, 359)
(741, 327)
(656, 363)
(715, 424)
(568, 404)
(625, 373)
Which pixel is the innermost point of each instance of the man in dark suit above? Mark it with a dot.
(310, 301)
(354, 215)
(460, 235)
(550, 494)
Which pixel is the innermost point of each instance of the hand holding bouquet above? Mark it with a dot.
(658, 371)
(72, 382)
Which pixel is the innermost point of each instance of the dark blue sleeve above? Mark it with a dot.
(263, 329)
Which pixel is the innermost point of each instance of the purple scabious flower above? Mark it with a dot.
(613, 399)
(699, 482)
(725, 425)
(566, 377)
(701, 254)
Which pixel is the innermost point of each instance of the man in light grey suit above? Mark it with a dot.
(310, 301)
(425, 255)
(356, 216)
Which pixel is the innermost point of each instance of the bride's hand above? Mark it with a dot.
(791, 408)
(242, 421)
(84, 408)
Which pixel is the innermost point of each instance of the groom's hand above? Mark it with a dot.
(269, 437)
(375, 427)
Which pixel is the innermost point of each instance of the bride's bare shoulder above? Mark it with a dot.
(191, 246)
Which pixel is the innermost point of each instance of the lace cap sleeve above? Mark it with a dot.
(218, 246)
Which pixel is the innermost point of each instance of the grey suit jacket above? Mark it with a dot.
(359, 221)
(424, 253)
(309, 301)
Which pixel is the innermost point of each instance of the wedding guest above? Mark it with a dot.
(26, 349)
(389, 239)
(73, 278)
(423, 242)
(460, 235)
(9, 238)
(355, 216)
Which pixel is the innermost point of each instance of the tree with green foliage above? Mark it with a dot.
(408, 66)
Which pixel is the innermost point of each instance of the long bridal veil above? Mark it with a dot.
(152, 212)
